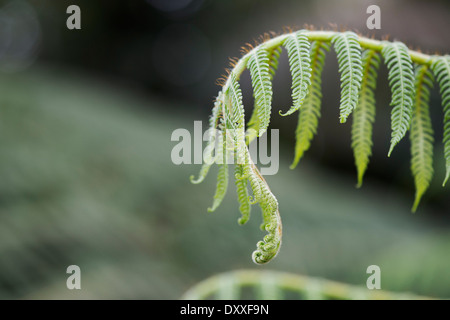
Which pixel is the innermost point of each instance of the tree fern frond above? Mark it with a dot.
(421, 134)
(441, 70)
(348, 52)
(309, 114)
(358, 72)
(258, 64)
(298, 46)
(401, 81)
(208, 154)
(241, 188)
(364, 114)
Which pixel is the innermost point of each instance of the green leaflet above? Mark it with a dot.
(297, 46)
(274, 56)
(258, 64)
(242, 193)
(348, 52)
(401, 81)
(441, 70)
(234, 114)
(253, 123)
(222, 182)
(309, 114)
(208, 155)
(364, 114)
(421, 134)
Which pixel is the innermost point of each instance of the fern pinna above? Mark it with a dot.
(411, 76)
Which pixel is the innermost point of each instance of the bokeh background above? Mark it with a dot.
(86, 177)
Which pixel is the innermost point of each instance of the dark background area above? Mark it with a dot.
(85, 163)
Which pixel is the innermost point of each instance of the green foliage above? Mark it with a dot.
(268, 248)
(441, 70)
(234, 109)
(348, 52)
(258, 64)
(298, 47)
(242, 193)
(308, 117)
(222, 185)
(358, 60)
(364, 115)
(421, 134)
(401, 80)
(254, 122)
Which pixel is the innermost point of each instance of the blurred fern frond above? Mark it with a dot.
(276, 285)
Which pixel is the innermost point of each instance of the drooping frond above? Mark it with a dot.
(309, 114)
(364, 114)
(208, 154)
(441, 70)
(241, 188)
(421, 134)
(222, 181)
(348, 52)
(298, 46)
(401, 81)
(258, 64)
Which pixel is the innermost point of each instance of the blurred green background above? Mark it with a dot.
(86, 177)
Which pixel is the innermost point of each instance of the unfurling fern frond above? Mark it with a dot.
(441, 70)
(358, 60)
(348, 52)
(421, 134)
(401, 81)
(309, 114)
(297, 46)
(267, 249)
(258, 64)
(364, 114)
